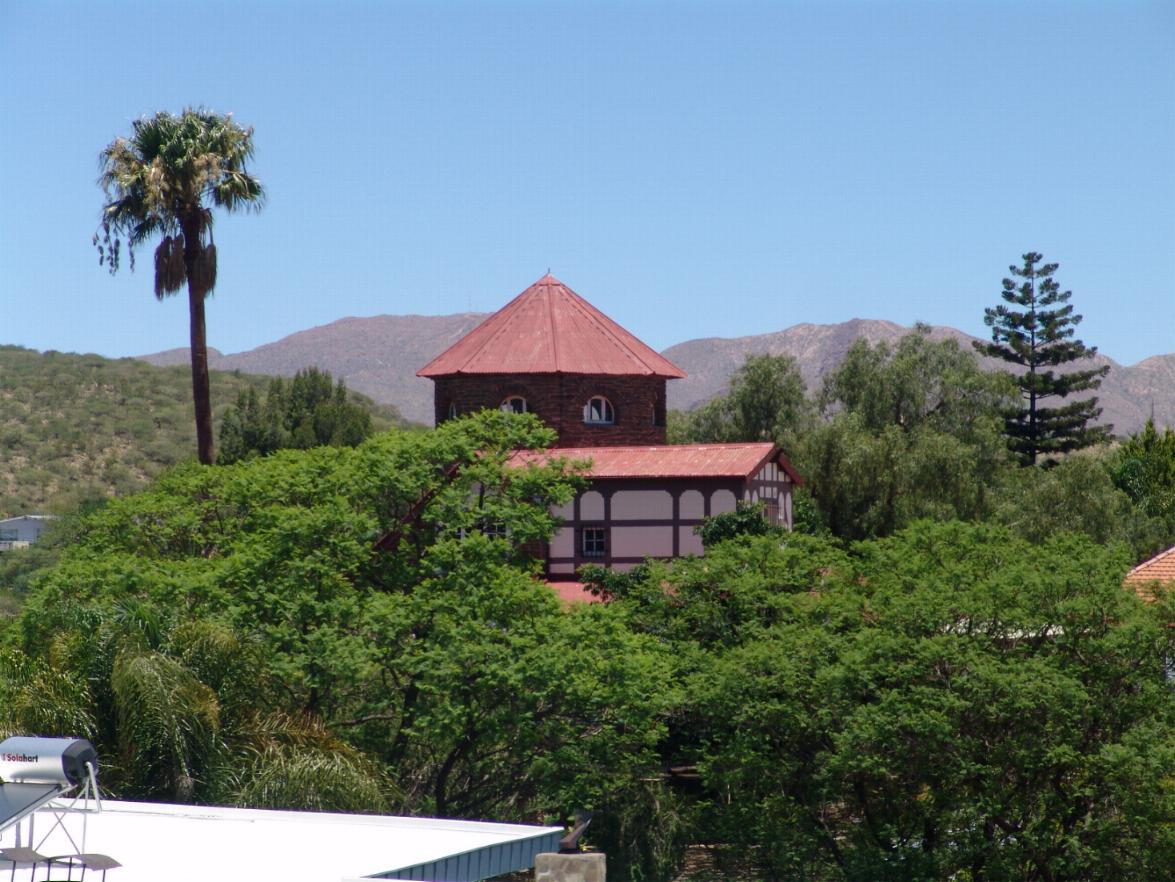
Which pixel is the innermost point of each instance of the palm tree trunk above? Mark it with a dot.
(201, 387)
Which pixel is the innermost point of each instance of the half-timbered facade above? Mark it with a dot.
(647, 501)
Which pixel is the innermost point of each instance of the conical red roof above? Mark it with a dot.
(548, 329)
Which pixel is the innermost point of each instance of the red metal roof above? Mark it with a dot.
(547, 329)
(669, 461)
(1160, 568)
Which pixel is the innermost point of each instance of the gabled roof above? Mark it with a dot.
(1160, 568)
(669, 461)
(548, 329)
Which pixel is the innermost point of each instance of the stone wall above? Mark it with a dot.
(582, 867)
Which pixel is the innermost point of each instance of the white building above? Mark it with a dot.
(188, 843)
(22, 531)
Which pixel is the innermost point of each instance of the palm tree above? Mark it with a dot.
(164, 180)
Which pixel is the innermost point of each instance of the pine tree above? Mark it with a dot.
(1036, 332)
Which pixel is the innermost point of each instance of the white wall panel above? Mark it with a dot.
(721, 501)
(691, 505)
(591, 506)
(638, 505)
(641, 541)
(689, 542)
(563, 543)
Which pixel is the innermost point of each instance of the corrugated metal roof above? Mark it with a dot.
(1160, 568)
(669, 461)
(547, 329)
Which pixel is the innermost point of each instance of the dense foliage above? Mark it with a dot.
(351, 600)
(351, 629)
(1033, 331)
(941, 678)
(950, 703)
(309, 411)
(766, 401)
(914, 430)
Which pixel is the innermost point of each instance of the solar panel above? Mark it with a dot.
(18, 801)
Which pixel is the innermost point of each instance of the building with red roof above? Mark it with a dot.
(551, 353)
(1158, 572)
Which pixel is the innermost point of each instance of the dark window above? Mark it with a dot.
(595, 541)
(599, 411)
(513, 404)
(453, 411)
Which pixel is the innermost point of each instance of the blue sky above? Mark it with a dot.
(693, 169)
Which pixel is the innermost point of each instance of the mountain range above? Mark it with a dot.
(379, 356)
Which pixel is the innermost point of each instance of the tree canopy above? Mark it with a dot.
(766, 401)
(351, 600)
(310, 411)
(362, 629)
(912, 431)
(953, 702)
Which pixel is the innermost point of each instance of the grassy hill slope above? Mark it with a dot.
(82, 427)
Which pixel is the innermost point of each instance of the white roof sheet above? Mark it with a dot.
(204, 843)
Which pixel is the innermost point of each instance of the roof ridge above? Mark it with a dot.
(551, 320)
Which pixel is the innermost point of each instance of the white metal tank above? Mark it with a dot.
(25, 760)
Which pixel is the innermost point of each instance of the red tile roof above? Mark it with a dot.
(1160, 568)
(669, 461)
(547, 329)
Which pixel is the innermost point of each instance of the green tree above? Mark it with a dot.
(917, 383)
(952, 702)
(378, 608)
(1033, 329)
(164, 181)
(746, 520)
(765, 401)
(310, 411)
(913, 431)
(1076, 496)
(1143, 467)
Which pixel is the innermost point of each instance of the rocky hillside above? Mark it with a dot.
(75, 428)
(379, 357)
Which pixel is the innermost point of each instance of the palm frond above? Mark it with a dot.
(168, 722)
(163, 174)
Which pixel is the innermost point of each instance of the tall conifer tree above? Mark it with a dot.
(1034, 329)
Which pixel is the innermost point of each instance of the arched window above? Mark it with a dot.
(599, 411)
(513, 404)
